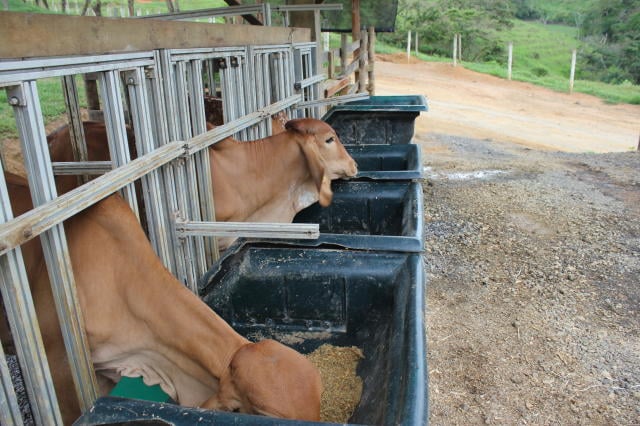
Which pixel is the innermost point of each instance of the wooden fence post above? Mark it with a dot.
(343, 53)
(408, 46)
(355, 32)
(510, 60)
(460, 47)
(362, 64)
(372, 60)
(455, 50)
(573, 70)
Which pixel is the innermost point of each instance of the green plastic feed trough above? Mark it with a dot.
(377, 120)
(307, 297)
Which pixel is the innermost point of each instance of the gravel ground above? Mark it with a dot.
(534, 262)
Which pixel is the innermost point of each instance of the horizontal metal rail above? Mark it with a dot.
(333, 101)
(27, 226)
(12, 72)
(204, 13)
(32, 223)
(82, 167)
(212, 136)
(307, 231)
(309, 81)
(307, 7)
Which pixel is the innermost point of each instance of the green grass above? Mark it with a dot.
(51, 102)
(150, 7)
(541, 47)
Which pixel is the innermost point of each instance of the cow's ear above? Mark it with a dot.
(226, 399)
(317, 169)
(295, 125)
(301, 125)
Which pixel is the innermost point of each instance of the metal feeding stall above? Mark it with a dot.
(155, 85)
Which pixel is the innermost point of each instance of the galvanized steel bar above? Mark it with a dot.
(93, 168)
(9, 408)
(204, 13)
(49, 214)
(242, 91)
(201, 159)
(12, 77)
(166, 112)
(250, 90)
(307, 7)
(266, 14)
(52, 65)
(76, 129)
(110, 92)
(306, 231)
(189, 274)
(22, 319)
(43, 190)
(221, 132)
(309, 81)
(186, 184)
(151, 183)
(333, 101)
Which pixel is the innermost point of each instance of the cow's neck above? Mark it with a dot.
(185, 354)
(175, 338)
(267, 180)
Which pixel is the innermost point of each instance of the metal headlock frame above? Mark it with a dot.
(169, 125)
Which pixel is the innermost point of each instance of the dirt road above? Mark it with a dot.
(533, 255)
(466, 103)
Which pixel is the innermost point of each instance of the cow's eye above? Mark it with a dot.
(330, 140)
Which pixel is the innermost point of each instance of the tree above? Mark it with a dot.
(436, 22)
(611, 31)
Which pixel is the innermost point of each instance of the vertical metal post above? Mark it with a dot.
(42, 185)
(266, 13)
(151, 183)
(201, 159)
(259, 74)
(110, 91)
(189, 192)
(314, 90)
(239, 85)
(9, 409)
(164, 110)
(21, 315)
(250, 83)
(76, 129)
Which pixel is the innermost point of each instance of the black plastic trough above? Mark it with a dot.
(380, 215)
(377, 120)
(305, 298)
(387, 162)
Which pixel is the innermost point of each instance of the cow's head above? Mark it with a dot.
(326, 156)
(270, 379)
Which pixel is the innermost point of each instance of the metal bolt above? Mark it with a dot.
(131, 81)
(14, 101)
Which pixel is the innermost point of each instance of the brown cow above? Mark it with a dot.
(140, 321)
(266, 180)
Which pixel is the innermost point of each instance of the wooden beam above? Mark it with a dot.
(340, 85)
(29, 35)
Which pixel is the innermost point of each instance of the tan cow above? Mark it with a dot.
(140, 321)
(266, 180)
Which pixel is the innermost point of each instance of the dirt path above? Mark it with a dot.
(533, 255)
(466, 103)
